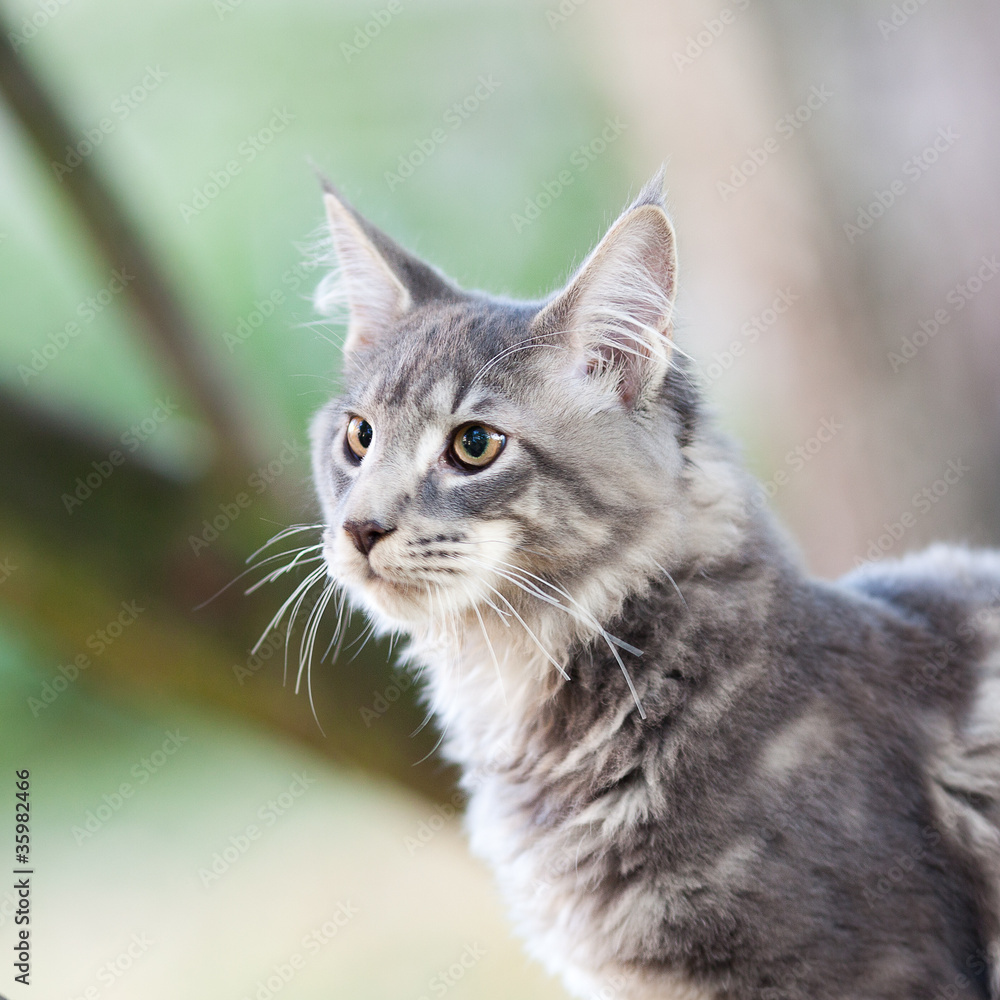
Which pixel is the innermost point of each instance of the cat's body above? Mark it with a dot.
(793, 790)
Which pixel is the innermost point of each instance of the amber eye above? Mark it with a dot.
(474, 446)
(359, 436)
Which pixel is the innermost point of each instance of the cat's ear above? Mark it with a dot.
(615, 314)
(375, 279)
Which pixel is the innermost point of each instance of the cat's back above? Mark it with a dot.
(955, 593)
(940, 583)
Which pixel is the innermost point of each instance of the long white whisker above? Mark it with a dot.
(489, 646)
(284, 533)
(672, 580)
(536, 340)
(534, 638)
(291, 625)
(312, 578)
(584, 615)
(365, 636)
(300, 559)
(239, 576)
(310, 630)
(338, 632)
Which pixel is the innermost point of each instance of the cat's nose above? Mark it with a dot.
(365, 534)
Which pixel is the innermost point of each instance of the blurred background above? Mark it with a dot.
(831, 172)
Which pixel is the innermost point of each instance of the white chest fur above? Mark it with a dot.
(485, 702)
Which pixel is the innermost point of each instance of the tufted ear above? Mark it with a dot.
(615, 314)
(375, 278)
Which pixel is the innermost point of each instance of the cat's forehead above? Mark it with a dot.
(446, 360)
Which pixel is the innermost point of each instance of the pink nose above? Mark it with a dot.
(365, 534)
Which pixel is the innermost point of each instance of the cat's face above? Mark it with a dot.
(480, 447)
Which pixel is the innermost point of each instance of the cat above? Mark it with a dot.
(697, 772)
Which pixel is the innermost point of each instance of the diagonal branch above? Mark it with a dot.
(150, 294)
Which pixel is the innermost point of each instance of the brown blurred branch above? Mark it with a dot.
(68, 575)
(109, 226)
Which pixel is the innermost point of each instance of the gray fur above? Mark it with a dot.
(794, 791)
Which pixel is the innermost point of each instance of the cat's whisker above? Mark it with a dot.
(284, 533)
(502, 615)
(587, 615)
(581, 615)
(318, 611)
(434, 749)
(339, 630)
(365, 637)
(300, 559)
(671, 579)
(312, 578)
(533, 341)
(236, 579)
(311, 628)
(493, 655)
(291, 624)
(534, 638)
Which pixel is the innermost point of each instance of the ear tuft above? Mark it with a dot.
(364, 282)
(616, 313)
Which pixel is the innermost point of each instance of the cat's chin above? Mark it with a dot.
(390, 604)
(393, 604)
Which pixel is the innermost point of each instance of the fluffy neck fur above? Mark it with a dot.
(489, 672)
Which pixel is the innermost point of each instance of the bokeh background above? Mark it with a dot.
(832, 176)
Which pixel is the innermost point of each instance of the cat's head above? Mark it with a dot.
(481, 446)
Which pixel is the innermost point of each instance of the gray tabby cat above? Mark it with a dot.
(697, 772)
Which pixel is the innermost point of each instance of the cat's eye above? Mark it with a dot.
(474, 446)
(359, 436)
